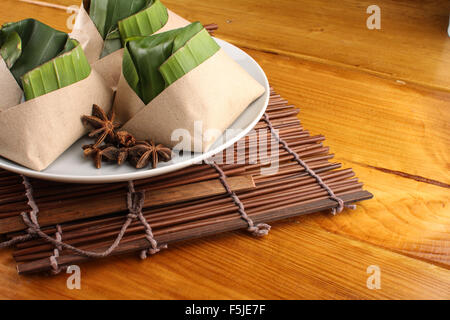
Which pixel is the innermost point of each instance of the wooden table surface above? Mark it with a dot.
(381, 97)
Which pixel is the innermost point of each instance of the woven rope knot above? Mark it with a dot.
(155, 248)
(32, 232)
(152, 251)
(151, 239)
(58, 236)
(54, 265)
(340, 203)
(132, 216)
(340, 206)
(260, 230)
(32, 229)
(135, 205)
(53, 262)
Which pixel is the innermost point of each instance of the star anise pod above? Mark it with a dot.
(104, 126)
(144, 152)
(164, 153)
(122, 156)
(125, 139)
(105, 152)
(90, 150)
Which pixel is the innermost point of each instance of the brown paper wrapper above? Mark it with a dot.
(85, 31)
(11, 91)
(35, 133)
(215, 93)
(109, 67)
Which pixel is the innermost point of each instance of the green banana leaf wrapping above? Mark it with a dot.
(66, 69)
(118, 20)
(40, 58)
(27, 44)
(151, 64)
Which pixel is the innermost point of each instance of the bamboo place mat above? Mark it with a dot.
(53, 225)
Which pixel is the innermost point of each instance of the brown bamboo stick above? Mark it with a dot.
(333, 179)
(111, 231)
(113, 203)
(250, 200)
(141, 243)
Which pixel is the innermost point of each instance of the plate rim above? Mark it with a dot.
(121, 177)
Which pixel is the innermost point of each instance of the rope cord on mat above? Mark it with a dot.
(311, 172)
(34, 212)
(53, 262)
(135, 201)
(261, 229)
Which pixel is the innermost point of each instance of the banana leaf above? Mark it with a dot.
(145, 22)
(27, 44)
(11, 50)
(107, 13)
(197, 50)
(66, 69)
(152, 63)
(112, 43)
(131, 17)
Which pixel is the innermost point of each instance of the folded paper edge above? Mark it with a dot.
(11, 91)
(110, 68)
(135, 124)
(25, 146)
(86, 33)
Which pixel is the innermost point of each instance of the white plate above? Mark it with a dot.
(72, 167)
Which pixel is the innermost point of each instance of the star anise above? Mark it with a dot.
(120, 146)
(125, 139)
(144, 152)
(106, 152)
(104, 126)
(122, 156)
(90, 150)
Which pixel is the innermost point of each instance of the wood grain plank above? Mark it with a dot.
(412, 45)
(296, 261)
(15, 10)
(368, 119)
(406, 216)
(370, 122)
